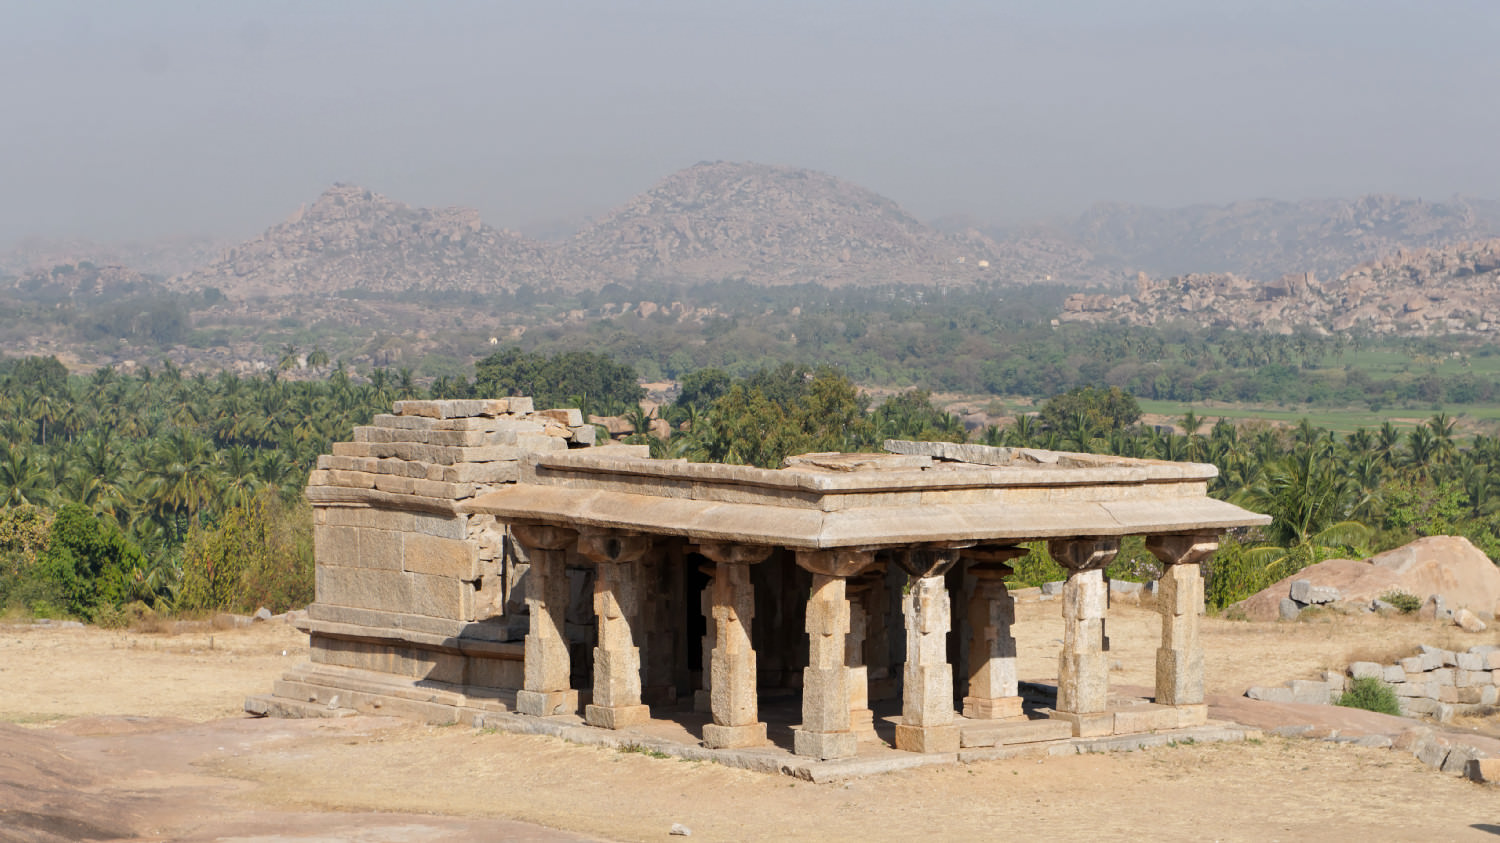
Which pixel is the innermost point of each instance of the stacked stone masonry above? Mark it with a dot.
(1434, 682)
(482, 557)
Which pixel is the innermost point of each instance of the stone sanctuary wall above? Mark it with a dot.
(408, 586)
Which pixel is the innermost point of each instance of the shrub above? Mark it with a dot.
(1404, 601)
(1232, 574)
(1371, 694)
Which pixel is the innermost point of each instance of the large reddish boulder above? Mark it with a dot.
(1447, 565)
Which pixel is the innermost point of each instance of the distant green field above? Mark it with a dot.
(1471, 419)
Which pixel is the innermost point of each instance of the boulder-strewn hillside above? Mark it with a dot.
(1264, 238)
(352, 238)
(772, 225)
(76, 281)
(1411, 292)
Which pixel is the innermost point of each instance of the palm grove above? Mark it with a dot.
(155, 491)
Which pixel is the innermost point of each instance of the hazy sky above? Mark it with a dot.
(144, 118)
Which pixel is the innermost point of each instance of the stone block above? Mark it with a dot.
(1367, 670)
(1299, 590)
(1472, 661)
(546, 703)
(490, 473)
(824, 745)
(1483, 770)
(1457, 761)
(993, 708)
(521, 405)
(1472, 678)
(1191, 715)
(453, 558)
(1087, 725)
(1393, 674)
(1270, 693)
(1412, 664)
(734, 737)
(926, 738)
(1145, 718)
(495, 673)
(1432, 753)
(1443, 676)
(1288, 609)
(1488, 695)
(1494, 660)
(616, 716)
(336, 545)
(379, 549)
(1468, 621)
(440, 597)
(568, 417)
(585, 435)
(825, 699)
(362, 588)
(1461, 696)
(1311, 691)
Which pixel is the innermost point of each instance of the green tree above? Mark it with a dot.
(1100, 409)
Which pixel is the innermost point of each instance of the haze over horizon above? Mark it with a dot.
(159, 118)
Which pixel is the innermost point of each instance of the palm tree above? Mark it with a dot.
(22, 480)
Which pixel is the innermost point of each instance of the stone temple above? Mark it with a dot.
(482, 562)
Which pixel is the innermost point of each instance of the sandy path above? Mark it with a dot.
(237, 778)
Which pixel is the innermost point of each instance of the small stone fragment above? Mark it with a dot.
(680, 830)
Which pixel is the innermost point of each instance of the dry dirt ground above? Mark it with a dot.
(132, 735)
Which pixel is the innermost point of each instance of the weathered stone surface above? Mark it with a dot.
(1468, 621)
(454, 558)
(1288, 609)
(1270, 693)
(1367, 670)
(1083, 669)
(824, 745)
(913, 738)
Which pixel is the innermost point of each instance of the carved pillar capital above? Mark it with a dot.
(1183, 548)
(728, 553)
(544, 536)
(612, 546)
(840, 562)
(929, 560)
(1084, 554)
(989, 562)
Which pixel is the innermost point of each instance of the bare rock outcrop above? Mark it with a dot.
(354, 239)
(1413, 292)
(774, 225)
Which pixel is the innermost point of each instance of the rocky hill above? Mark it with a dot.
(1263, 238)
(1411, 292)
(355, 239)
(83, 280)
(773, 225)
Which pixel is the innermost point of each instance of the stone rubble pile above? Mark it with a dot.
(1435, 683)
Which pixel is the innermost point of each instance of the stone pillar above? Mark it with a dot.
(703, 696)
(861, 718)
(617, 606)
(730, 666)
(1179, 597)
(1083, 666)
(545, 690)
(993, 692)
(927, 681)
(825, 731)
